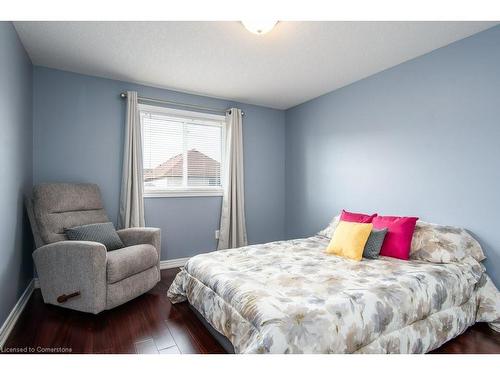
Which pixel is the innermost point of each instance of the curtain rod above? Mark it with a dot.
(123, 95)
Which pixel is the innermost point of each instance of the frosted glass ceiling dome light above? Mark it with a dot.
(259, 26)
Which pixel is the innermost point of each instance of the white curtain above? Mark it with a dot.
(131, 195)
(233, 232)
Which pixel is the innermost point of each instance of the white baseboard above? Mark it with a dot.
(173, 263)
(11, 320)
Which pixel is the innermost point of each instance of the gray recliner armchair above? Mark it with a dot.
(82, 275)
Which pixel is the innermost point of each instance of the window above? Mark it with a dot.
(183, 152)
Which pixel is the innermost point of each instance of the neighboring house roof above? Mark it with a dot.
(199, 165)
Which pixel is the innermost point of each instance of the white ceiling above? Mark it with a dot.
(295, 62)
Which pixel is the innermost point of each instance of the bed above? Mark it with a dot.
(291, 297)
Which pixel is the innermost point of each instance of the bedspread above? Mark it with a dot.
(291, 297)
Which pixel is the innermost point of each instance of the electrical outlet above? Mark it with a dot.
(217, 234)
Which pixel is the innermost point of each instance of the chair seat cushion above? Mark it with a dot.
(128, 261)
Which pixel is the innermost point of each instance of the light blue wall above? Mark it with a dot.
(418, 139)
(78, 136)
(422, 138)
(16, 166)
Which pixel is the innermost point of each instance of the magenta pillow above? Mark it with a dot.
(356, 218)
(397, 241)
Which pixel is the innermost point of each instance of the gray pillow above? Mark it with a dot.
(374, 243)
(104, 233)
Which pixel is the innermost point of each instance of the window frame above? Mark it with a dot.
(193, 117)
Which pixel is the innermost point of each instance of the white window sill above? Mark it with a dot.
(183, 193)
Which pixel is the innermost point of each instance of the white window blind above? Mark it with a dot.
(182, 152)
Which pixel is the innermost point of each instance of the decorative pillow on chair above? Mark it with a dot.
(397, 241)
(443, 244)
(355, 217)
(374, 243)
(349, 239)
(104, 233)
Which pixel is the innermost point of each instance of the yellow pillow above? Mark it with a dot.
(349, 239)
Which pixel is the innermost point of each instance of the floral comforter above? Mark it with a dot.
(291, 297)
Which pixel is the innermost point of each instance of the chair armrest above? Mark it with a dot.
(67, 267)
(73, 246)
(139, 236)
(142, 235)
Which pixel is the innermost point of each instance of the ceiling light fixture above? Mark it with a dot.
(259, 27)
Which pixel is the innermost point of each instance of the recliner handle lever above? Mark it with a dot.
(63, 298)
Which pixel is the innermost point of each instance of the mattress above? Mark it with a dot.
(291, 297)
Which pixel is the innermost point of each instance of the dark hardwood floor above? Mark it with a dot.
(151, 324)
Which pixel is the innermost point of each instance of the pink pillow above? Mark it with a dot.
(356, 218)
(397, 241)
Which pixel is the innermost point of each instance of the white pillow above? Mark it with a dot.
(443, 244)
(328, 231)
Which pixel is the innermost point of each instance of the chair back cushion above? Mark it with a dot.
(60, 206)
(34, 226)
